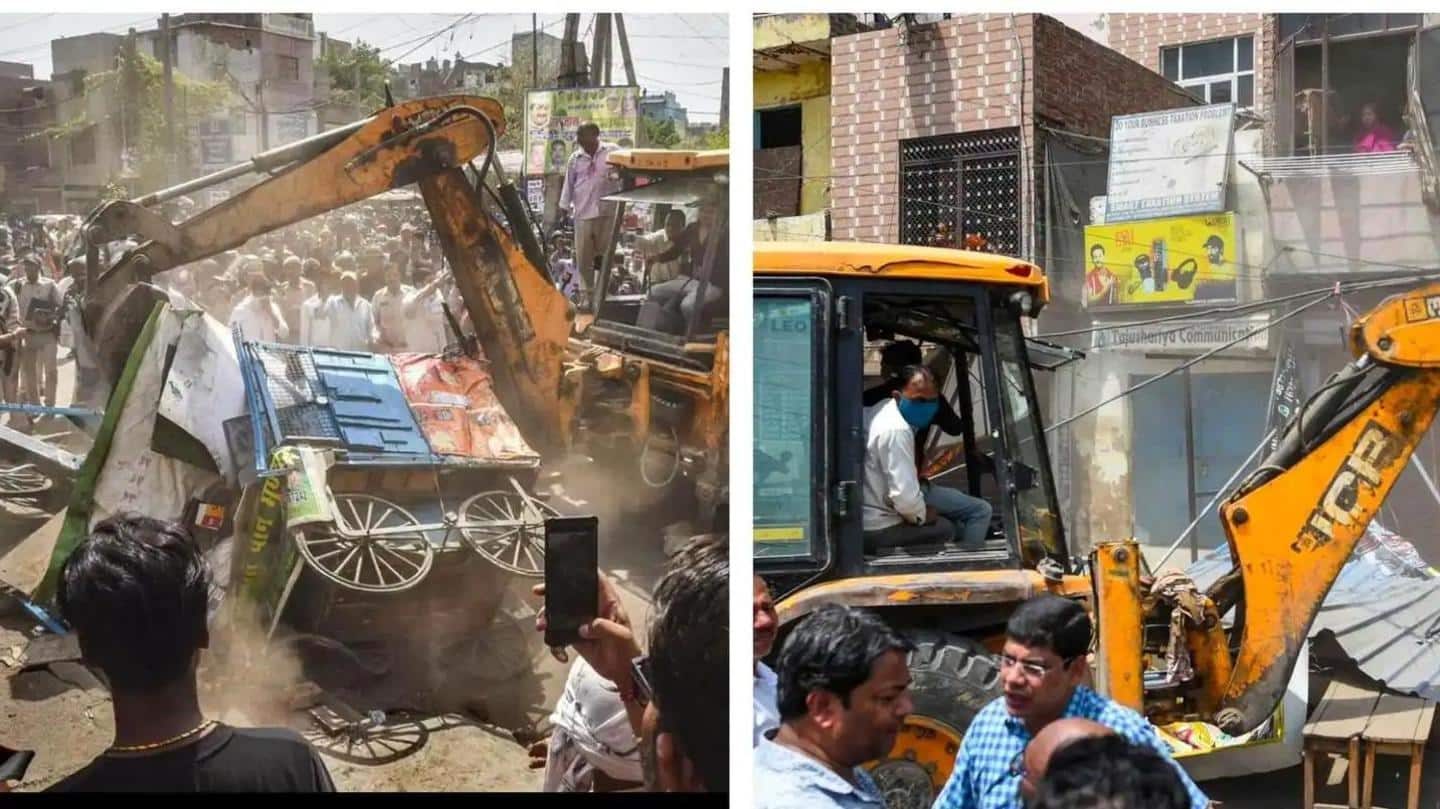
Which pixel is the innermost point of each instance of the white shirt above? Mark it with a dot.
(425, 328)
(892, 486)
(390, 314)
(352, 326)
(258, 325)
(587, 182)
(767, 701)
(651, 245)
(314, 322)
(44, 291)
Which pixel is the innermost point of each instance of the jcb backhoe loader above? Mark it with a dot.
(521, 321)
(1290, 526)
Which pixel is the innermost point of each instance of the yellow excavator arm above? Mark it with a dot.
(521, 320)
(1295, 521)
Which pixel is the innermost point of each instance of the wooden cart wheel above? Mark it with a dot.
(382, 744)
(508, 530)
(358, 559)
(22, 481)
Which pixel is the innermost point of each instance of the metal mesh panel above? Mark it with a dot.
(293, 389)
(960, 185)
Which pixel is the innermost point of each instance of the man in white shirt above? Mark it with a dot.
(11, 335)
(40, 304)
(314, 314)
(352, 320)
(587, 183)
(660, 249)
(389, 306)
(898, 508)
(258, 316)
(764, 625)
(426, 330)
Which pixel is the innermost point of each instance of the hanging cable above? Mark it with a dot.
(1212, 352)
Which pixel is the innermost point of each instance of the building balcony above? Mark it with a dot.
(789, 40)
(1341, 215)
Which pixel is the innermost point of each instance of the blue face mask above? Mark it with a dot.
(918, 413)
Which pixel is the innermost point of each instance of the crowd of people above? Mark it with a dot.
(840, 693)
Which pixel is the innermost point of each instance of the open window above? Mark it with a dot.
(665, 277)
(1329, 68)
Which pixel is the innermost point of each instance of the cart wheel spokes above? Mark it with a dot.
(22, 481)
(508, 530)
(361, 560)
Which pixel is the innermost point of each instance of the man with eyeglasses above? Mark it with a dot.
(898, 509)
(1043, 666)
(844, 695)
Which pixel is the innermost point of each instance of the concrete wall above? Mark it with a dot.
(958, 75)
(1069, 94)
(1142, 36)
(808, 85)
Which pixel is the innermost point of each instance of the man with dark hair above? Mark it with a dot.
(135, 592)
(764, 625)
(587, 183)
(675, 696)
(898, 509)
(1051, 739)
(895, 358)
(844, 694)
(1043, 666)
(1108, 772)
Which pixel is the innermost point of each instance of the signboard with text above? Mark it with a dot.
(1184, 259)
(1169, 163)
(553, 116)
(1248, 334)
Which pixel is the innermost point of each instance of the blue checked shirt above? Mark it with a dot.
(982, 777)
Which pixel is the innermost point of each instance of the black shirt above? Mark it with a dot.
(224, 760)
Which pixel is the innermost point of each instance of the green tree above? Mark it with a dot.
(139, 80)
(357, 76)
(660, 134)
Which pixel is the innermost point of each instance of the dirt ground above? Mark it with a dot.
(460, 714)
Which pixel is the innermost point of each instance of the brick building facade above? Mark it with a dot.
(976, 73)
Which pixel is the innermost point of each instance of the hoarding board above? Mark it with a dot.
(553, 116)
(1169, 163)
(1184, 259)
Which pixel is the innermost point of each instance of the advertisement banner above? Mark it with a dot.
(552, 116)
(1182, 259)
(1169, 163)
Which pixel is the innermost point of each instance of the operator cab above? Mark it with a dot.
(824, 314)
(664, 280)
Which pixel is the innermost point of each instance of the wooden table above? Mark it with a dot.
(1351, 719)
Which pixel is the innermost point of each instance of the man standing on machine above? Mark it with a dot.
(587, 183)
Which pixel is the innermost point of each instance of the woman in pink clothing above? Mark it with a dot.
(1374, 135)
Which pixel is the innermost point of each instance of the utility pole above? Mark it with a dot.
(168, 64)
(625, 50)
(725, 98)
(534, 50)
(569, 67)
(597, 60)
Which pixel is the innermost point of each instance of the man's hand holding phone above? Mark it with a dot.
(608, 642)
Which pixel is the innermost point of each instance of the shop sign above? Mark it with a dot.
(1189, 336)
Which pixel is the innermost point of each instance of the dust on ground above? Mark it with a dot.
(462, 702)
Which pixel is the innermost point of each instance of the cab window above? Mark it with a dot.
(789, 414)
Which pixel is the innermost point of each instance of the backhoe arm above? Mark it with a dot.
(1294, 523)
(522, 321)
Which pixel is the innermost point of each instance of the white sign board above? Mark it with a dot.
(1169, 163)
(1189, 336)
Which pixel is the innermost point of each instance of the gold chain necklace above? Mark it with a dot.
(136, 748)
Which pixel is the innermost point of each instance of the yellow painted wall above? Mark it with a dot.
(809, 85)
